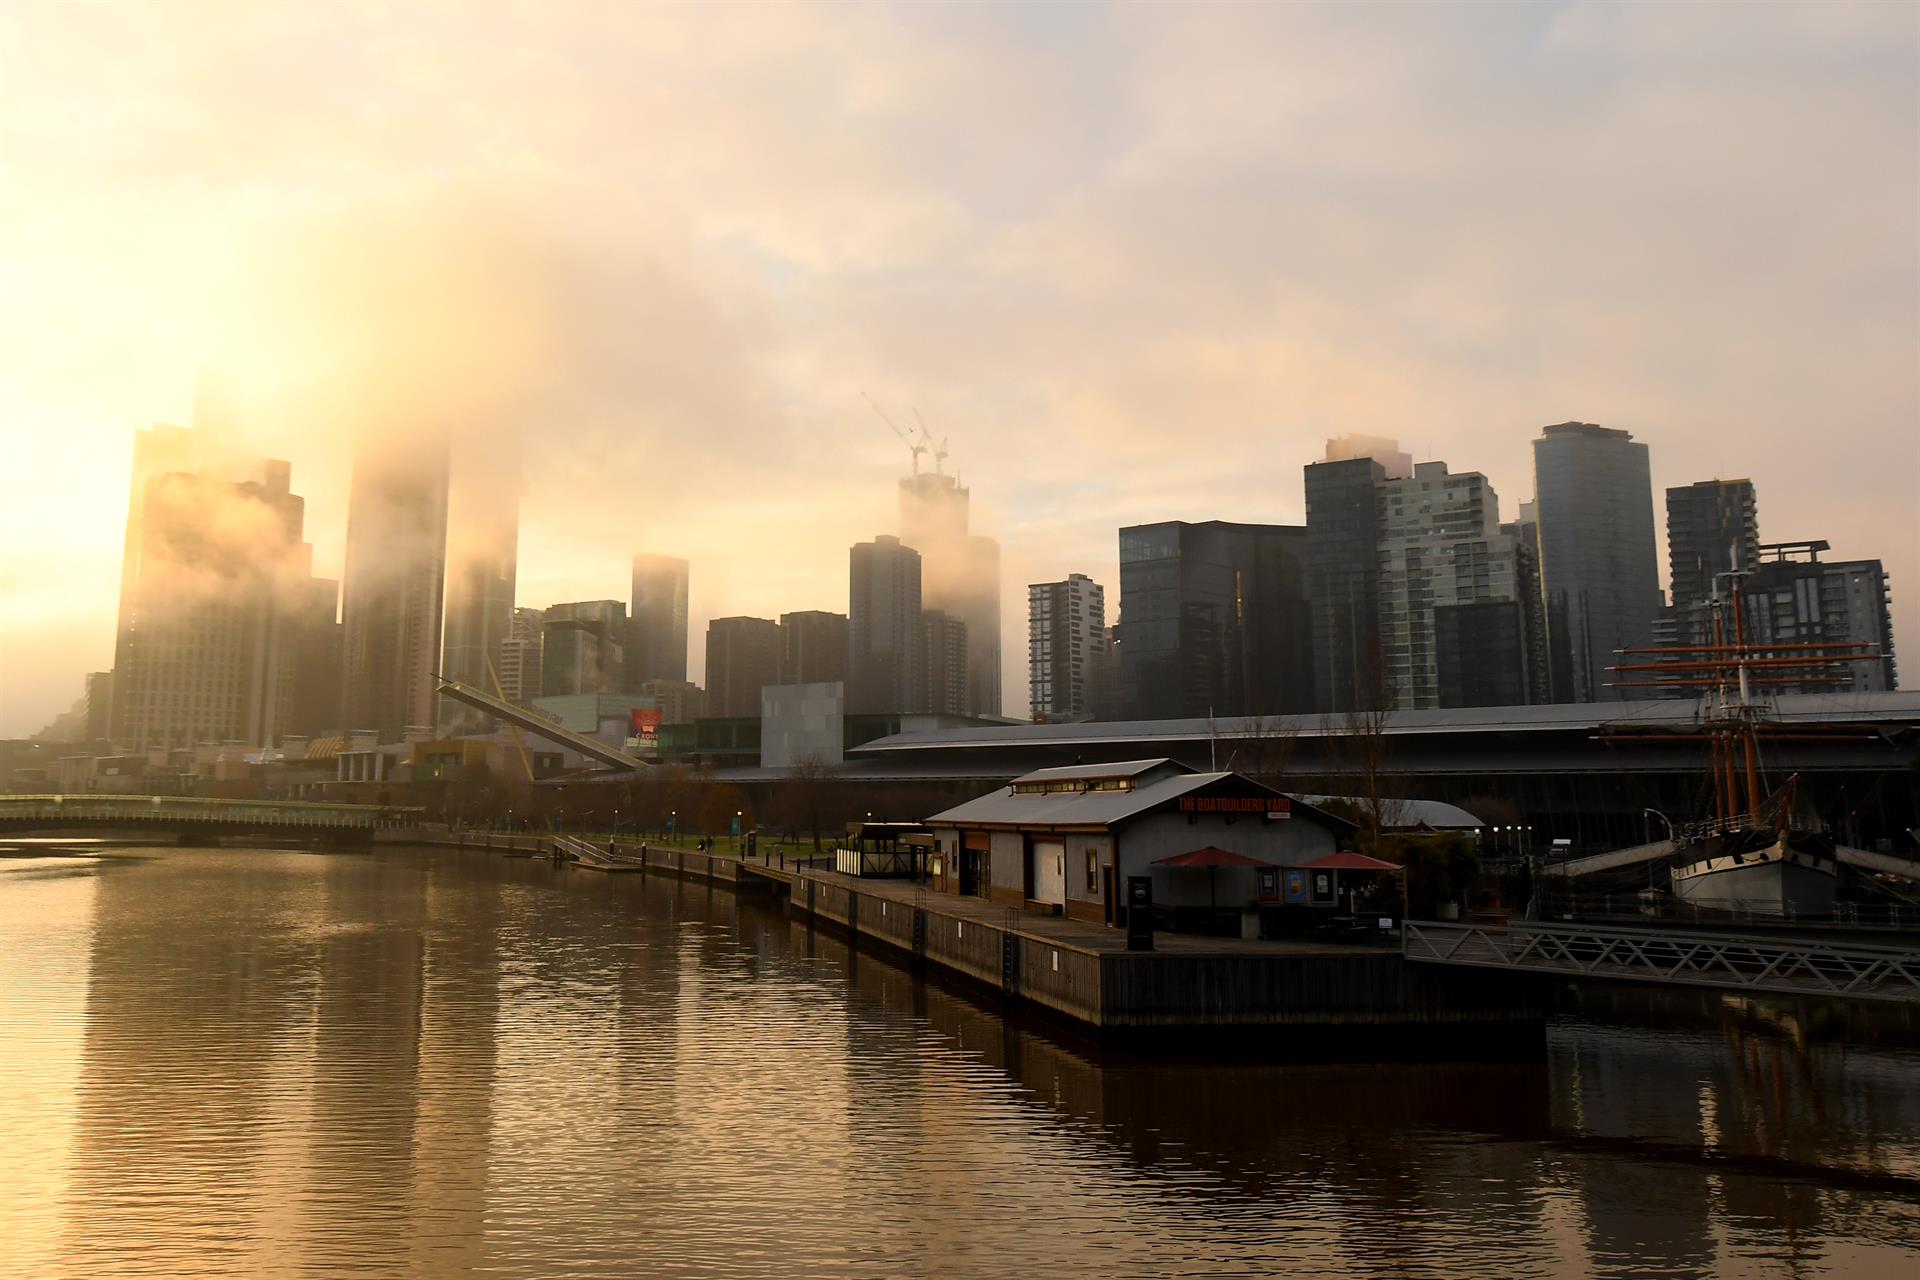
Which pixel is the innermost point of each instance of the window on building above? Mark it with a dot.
(1093, 872)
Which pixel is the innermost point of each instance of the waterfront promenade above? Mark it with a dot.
(1082, 973)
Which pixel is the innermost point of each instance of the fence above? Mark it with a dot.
(1785, 966)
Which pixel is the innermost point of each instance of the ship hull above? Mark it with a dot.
(1777, 880)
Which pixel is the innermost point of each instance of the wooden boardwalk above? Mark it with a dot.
(1083, 972)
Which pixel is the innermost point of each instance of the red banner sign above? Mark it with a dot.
(644, 723)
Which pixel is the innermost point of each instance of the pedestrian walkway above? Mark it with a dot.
(1060, 931)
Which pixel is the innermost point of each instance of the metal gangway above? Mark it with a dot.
(580, 849)
(1776, 965)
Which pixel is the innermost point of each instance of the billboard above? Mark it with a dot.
(644, 723)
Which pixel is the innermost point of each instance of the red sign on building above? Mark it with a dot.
(1272, 806)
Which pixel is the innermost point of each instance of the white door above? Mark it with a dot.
(1050, 871)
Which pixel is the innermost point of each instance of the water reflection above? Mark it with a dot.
(251, 1063)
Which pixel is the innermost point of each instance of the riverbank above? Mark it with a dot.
(1083, 975)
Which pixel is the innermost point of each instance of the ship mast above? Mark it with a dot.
(1731, 670)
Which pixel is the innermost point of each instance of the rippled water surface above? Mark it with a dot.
(240, 1062)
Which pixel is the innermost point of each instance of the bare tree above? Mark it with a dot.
(1265, 749)
(808, 798)
(1366, 743)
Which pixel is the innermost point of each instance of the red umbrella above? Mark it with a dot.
(1212, 859)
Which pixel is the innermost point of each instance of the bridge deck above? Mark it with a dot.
(37, 812)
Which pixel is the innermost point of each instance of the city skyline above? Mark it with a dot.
(1736, 325)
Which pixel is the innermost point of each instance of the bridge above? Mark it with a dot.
(199, 816)
(1771, 965)
(535, 723)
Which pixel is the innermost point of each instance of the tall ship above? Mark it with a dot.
(1758, 850)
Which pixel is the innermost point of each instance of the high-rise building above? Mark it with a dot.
(1593, 494)
(943, 665)
(960, 575)
(813, 647)
(518, 665)
(99, 705)
(483, 542)
(583, 648)
(1104, 699)
(1457, 620)
(1395, 461)
(743, 657)
(1536, 669)
(1712, 528)
(657, 645)
(1343, 558)
(394, 586)
(203, 653)
(1214, 620)
(157, 451)
(1066, 639)
(1422, 598)
(883, 627)
(1795, 597)
(679, 701)
(316, 638)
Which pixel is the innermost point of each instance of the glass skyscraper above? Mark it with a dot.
(1593, 498)
(1214, 620)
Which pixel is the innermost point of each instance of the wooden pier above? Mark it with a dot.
(1083, 974)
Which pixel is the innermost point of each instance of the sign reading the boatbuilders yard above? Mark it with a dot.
(1272, 806)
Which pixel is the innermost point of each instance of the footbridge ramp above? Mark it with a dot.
(535, 723)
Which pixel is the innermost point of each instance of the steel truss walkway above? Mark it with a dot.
(1780, 966)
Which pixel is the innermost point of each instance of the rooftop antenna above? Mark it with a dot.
(914, 446)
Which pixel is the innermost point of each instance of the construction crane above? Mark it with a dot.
(939, 451)
(913, 445)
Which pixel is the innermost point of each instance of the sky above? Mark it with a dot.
(1134, 262)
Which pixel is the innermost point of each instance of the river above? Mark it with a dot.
(232, 1062)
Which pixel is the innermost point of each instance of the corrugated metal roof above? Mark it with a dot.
(1899, 706)
(1094, 772)
(1071, 808)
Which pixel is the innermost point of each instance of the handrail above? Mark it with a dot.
(65, 799)
(1789, 966)
(202, 810)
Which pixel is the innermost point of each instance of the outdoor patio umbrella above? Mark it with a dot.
(1212, 859)
(1348, 860)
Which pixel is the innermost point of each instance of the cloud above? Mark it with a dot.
(1137, 261)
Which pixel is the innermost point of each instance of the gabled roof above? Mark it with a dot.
(1008, 808)
(1091, 772)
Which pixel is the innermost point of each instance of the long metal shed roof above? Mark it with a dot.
(1897, 707)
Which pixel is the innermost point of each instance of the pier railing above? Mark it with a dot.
(1783, 966)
